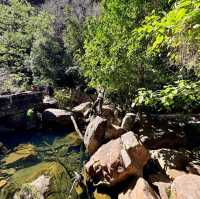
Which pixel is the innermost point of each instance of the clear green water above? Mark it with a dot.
(59, 153)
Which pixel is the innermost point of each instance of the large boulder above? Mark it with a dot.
(138, 189)
(57, 118)
(116, 160)
(186, 187)
(95, 134)
(170, 159)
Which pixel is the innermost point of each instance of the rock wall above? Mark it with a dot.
(13, 107)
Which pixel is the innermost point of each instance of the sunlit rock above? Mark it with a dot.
(117, 160)
(95, 134)
(186, 187)
(22, 154)
(138, 189)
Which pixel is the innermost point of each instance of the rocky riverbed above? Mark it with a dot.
(111, 155)
(29, 156)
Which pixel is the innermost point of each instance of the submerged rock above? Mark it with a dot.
(95, 134)
(3, 183)
(22, 154)
(34, 190)
(115, 161)
(138, 189)
(186, 187)
(99, 195)
(60, 182)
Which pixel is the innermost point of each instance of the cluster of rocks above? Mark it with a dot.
(125, 156)
(140, 157)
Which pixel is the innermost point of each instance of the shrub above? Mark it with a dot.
(63, 96)
(184, 96)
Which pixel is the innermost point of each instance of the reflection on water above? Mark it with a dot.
(33, 153)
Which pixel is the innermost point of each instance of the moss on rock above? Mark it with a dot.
(59, 186)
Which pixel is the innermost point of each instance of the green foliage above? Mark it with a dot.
(115, 47)
(183, 97)
(63, 98)
(140, 44)
(15, 83)
(47, 61)
(20, 26)
(177, 31)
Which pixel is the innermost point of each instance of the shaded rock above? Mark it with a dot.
(138, 189)
(163, 131)
(95, 134)
(162, 182)
(82, 108)
(3, 149)
(186, 187)
(128, 121)
(116, 160)
(108, 113)
(174, 173)
(193, 167)
(169, 158)
(113, 132)
(57, 118)
(159, 138)
(22, 154)
(34, 190)
(192, 130)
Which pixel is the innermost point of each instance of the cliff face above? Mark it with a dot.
(79, 7)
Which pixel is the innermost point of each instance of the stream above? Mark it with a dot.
(30, 154)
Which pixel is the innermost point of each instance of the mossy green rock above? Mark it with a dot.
(59, 186)
(23, 153)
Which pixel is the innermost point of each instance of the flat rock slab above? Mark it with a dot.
(53, 117)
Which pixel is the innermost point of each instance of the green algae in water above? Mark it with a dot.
(58, 159)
